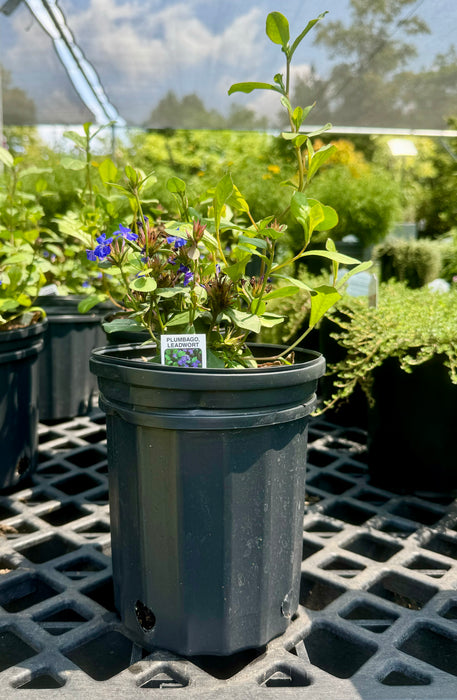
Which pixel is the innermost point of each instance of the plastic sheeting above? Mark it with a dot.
(169, 63)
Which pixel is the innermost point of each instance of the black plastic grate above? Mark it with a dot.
(378, 602)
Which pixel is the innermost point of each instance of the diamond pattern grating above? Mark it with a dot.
(378, 613)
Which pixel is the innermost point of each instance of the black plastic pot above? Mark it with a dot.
(207, 478)
(353, 411)
(67, 386)
(412, 444)
(19, 402)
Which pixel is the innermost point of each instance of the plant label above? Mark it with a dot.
(183, 350)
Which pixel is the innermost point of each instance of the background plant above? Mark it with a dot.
(22, 269)
(411, 325)
(367, 201)
(415, 262)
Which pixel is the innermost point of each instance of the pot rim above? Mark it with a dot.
(110, 363)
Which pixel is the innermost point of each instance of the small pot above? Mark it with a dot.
(19, 351)
(67, 387)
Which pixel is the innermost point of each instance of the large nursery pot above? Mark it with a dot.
(207, 479)
(66, 384)
(19, 351)
(411, 428)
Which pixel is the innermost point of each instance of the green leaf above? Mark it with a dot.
(224, 189)
(76, 138)
(269, 320)
(175, 185)
(237, 201)
(292, 280)
(168, 292)
(319, 158)
(289, 291)
(308, 213)
(257, 242)
(237, 270)
(178, 320)
(122, 324)
(8, 304)
(355, 270)
(242, 319)
(108, 171)
(72, 163)
(143, 284)
(33, 170)
(277, 29)
(250, 86)
(298, 139)
(330, 219)
(322, 300)
(6, 158)
(24, 300)
(330, 245)
(258, 307)
(213, 361)
(297, 117)
(301, 36)
(89, 302)
(317, 132)
(132, 174)
(330, 255)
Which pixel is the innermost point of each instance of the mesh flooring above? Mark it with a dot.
(378, 614)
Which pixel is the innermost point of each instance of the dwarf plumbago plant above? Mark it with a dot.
(190, 275)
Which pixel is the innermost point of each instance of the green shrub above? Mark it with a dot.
(449, 256)
(414, 262)
(367, 205)
(412, 325)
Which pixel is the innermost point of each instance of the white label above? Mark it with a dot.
(48, 290)
(183, 350)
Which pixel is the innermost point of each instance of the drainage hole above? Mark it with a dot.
(145, 616)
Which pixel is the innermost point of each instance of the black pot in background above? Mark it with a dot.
(412, 438)
(19, 351)
(207, 477)
(353, 412)
(67, 386)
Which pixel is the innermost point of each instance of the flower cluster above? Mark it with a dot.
(103, 247)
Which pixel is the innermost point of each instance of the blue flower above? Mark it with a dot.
(126, 233)
(183, 361)
(103, 240)
(102, 250)
(178, 242)
(85, 284)
(188, 274)
(91, 255)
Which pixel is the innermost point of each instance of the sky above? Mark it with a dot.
(143, 48)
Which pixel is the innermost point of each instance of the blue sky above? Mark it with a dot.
(143, 48)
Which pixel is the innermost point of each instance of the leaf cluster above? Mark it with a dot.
(412, 325)
(22, 269)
